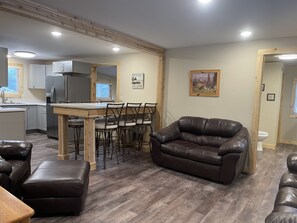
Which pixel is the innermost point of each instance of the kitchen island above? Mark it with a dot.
(88, 111)
(12, 124)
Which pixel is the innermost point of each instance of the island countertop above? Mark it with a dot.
(80, 105)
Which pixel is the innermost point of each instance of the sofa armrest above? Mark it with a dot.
(236, 144)
(281, 217)
(5, 167)
(11, 149)
(292, 162)
(167, 134)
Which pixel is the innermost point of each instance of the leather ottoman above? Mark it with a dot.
(57, 187)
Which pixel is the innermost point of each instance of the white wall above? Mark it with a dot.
(127, 65)
(269, 110)
(288, 126)
(28, 95)
(237, 62)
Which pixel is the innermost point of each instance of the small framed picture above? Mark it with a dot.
(138, 80)
(205, 83)
(263, 87)
(270, 97)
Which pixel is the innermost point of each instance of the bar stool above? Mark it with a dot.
(77, 124)
(107, 127)
(127, 124)
(144, 121)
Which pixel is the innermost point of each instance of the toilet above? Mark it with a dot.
(261, 136)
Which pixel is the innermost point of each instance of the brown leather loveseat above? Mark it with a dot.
(215, 149)
(15, 164)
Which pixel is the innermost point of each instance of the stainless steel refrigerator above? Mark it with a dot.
(64, 89)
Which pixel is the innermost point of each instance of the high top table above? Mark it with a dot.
(88, 111)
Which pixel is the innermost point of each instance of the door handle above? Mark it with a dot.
(52, 94)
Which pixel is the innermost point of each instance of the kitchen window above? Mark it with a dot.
(103, 90)
(293, 110)
(15, 76)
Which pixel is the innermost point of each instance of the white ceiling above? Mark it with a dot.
(20, 33)
(167, 23)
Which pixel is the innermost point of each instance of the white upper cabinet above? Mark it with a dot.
(3, 67)
(36, 76)
(49, 70)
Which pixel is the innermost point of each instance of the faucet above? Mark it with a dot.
(2, 95)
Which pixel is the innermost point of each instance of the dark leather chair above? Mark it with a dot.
(285, 205)
(215, 149)
(15, 164)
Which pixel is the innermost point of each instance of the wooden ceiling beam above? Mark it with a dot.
(70, 22)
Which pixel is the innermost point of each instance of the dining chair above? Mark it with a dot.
(127, 125)
(107, 128)
(77, 124)
(145, 120)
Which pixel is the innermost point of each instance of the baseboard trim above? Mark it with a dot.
(288, 142)
(269, 146)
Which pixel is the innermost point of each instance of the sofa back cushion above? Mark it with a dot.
(207, 132)
(221, 127)
(203, 140)
(193, 125)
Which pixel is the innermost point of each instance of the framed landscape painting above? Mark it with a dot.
(205, 83)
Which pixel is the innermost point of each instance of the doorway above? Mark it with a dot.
(257, 100)
(271, 99)
(105, 82)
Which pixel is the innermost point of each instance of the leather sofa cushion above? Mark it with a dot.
(192, 151)
(19, 168)
(213, 141)
(194, 125)
(221, 127)
(59, 178)
(205, 154)
(288, 180)
(292, 162)
(287, 196)
(5, 167)
(178, 148)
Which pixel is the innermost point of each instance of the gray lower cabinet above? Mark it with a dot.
(31, 117)
(35, 116)
(41, 117)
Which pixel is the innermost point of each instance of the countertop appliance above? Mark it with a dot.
(64, 89)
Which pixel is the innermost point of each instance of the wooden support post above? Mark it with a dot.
(93, 83)
(63, 137)
(160, 92)
(89, 141)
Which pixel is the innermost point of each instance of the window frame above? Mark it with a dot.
(20, 81)
(293, 99)
(110, 90)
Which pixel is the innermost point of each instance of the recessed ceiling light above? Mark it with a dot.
(56, 34)
(287, 56)
(116, 49)
(8, 56)
(204, 1)
(24, 54)
(246, 34)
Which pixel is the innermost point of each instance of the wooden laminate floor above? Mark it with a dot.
(139, 191)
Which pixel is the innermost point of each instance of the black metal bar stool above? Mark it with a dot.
(107, 127)
(127, 124)
(145, 120)
(77, 124)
